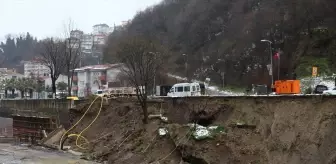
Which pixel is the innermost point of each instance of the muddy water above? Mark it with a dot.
(10, 154)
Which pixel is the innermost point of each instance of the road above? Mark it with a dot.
(10, 154)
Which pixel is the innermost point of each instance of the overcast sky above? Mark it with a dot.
(44, 18)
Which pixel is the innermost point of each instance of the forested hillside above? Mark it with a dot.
(16, 49)
(224, 36)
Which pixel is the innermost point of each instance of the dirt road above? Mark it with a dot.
(10, 154)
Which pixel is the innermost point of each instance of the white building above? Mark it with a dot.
(76, 34)
(9, 74)
(89, 79)
(86, 43)
(101, 28)
(99, 39)
(36, 69)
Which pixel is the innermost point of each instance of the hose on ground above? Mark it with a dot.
(61, 143)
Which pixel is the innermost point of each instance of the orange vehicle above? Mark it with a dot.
(287, 87)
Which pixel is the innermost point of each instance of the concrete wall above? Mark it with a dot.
(38, 108)
(6, 127)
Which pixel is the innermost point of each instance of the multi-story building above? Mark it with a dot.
(89, 79)
(36, 69)
(76, 34)
(86, 43)
(101, 28)
(9, 74)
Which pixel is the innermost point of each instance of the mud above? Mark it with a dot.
(286, 130)
(13, 154)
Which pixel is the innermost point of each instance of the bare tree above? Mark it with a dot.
(141, 60)
(72, 52)
(52, 55)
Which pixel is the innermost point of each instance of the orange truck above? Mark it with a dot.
(287, 87)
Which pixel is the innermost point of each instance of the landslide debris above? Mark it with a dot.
(251, 131)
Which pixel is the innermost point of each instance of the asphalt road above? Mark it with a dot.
(10, 154)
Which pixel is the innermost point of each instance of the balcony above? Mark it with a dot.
(74, 78)
(102, 77)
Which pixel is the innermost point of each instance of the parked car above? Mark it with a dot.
(319, 89)
(329, 92)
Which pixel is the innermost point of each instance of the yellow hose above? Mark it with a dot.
(80, 134)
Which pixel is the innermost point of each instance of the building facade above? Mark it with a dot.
(89, 79)
(101, 28)
(76, 34)
(35, 69)
(86, 43)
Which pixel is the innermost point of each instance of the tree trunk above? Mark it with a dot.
(22, 93)
(70, 79)
(6, 93)
(53, 87)
(145, 111)
(31, 93)
(69, 84)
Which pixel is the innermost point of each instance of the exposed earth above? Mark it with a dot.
(273, 130)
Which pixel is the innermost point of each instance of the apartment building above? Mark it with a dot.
(36, 69)
(9, 74)
(86, 43)
(76, 34)
(89, 79)
(101, 28)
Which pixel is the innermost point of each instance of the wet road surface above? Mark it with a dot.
(13, 154)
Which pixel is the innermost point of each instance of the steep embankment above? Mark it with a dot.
(269, 130)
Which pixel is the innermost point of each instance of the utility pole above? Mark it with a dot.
(278, 66)
(92, 46)
(186, 65)
(223, 75)
(271, 68)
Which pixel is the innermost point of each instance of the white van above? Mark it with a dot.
(185, 90)
(100, 93)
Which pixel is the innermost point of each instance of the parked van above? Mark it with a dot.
(185, 90)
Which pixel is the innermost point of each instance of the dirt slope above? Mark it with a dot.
(291, 131)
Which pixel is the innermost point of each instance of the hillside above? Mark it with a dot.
(224, 36)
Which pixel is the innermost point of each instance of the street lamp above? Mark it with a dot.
(271, 69)
(154, 85)
(222, 73)
(186, 65)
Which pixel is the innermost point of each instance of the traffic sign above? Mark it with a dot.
(314, 72)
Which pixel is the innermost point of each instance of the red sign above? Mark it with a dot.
(276, 55)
